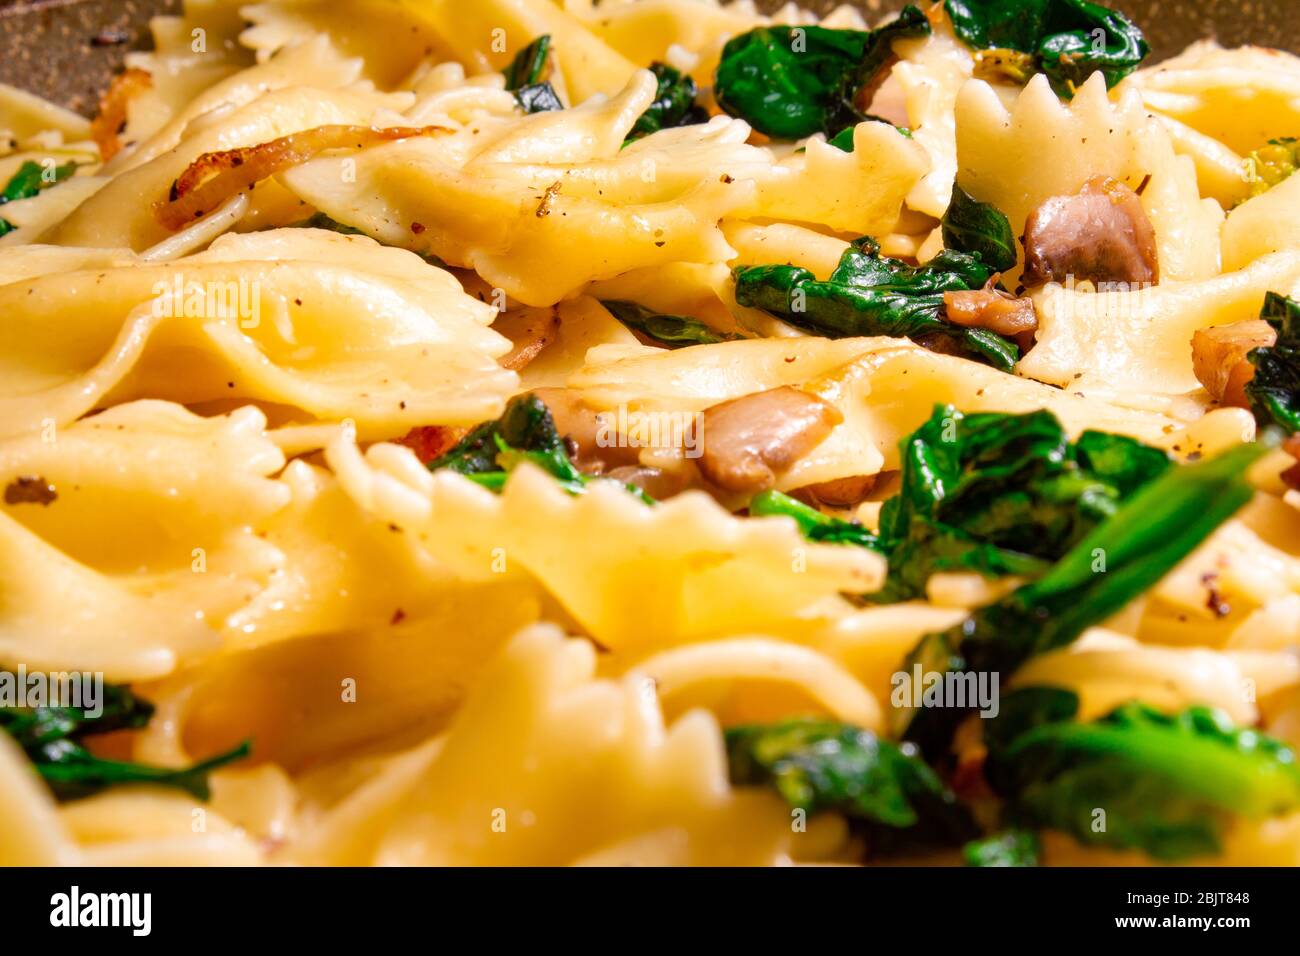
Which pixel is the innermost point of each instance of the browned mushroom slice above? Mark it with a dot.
(214, 177)
(748, 440)
(530, 330)
(840, 493)
(991, 309)
(1219, 357)
(1101, 234)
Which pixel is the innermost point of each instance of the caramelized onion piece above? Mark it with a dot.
(106, 128)
(1101, 234)
(531, 330)
(431, 442)
(991, 309)
(1219, 358)
(214, 177)
(749, 439)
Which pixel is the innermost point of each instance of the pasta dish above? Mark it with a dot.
(652, 432)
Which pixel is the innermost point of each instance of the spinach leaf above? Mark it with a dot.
(531, 65)
(885, 790)
(978, 229)
(791, 82)
(674, 104)
(1001, 495)
(1009, 848)
(1274, 392)
(670, 330)
(28, 182)
(814, 525)
(526, 77)
(868, 294)
(525, 432)
(1168, 783)
(1145, 538)
(52, 738)
(1068, 39)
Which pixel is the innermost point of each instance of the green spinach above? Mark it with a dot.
(868, 294)
(1069, 40)
(791, 82)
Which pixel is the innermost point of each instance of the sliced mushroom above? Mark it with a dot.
(747, 440)
(530, 330)
(840, 493)
(655, 482)
(991, 309)
(1219, 358)
(1100, 234)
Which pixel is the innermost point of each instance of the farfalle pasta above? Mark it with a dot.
(652, 432)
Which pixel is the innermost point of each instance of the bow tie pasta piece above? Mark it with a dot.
(538, 242)
(104, 544)
(581, 767)
(1139, 342)
(487, 34)
(928, 77)
(1264, 224)
(695, 571)
(335, 326)
(1242, 97)
(388, 41)
(410, 671)
(312, 63)
(24, 115)
(1017, 158)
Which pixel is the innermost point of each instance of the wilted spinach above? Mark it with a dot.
(526, 77)
(1069, 40)
(674, 104)
(670, 330)
(1274, 392)
(1002, 495)
(791, 82)
(52, 738)
(28, 182)
(1153, 530)
(886, 791)
(525, 432)
(868, 294)
(1168, 783)
(980, 229)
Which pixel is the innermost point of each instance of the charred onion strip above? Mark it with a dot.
(991, 309)
(214, 177)
(106, 128)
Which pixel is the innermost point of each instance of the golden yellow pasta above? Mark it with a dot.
(653, 432)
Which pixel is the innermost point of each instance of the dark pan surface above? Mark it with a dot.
(67, 50)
